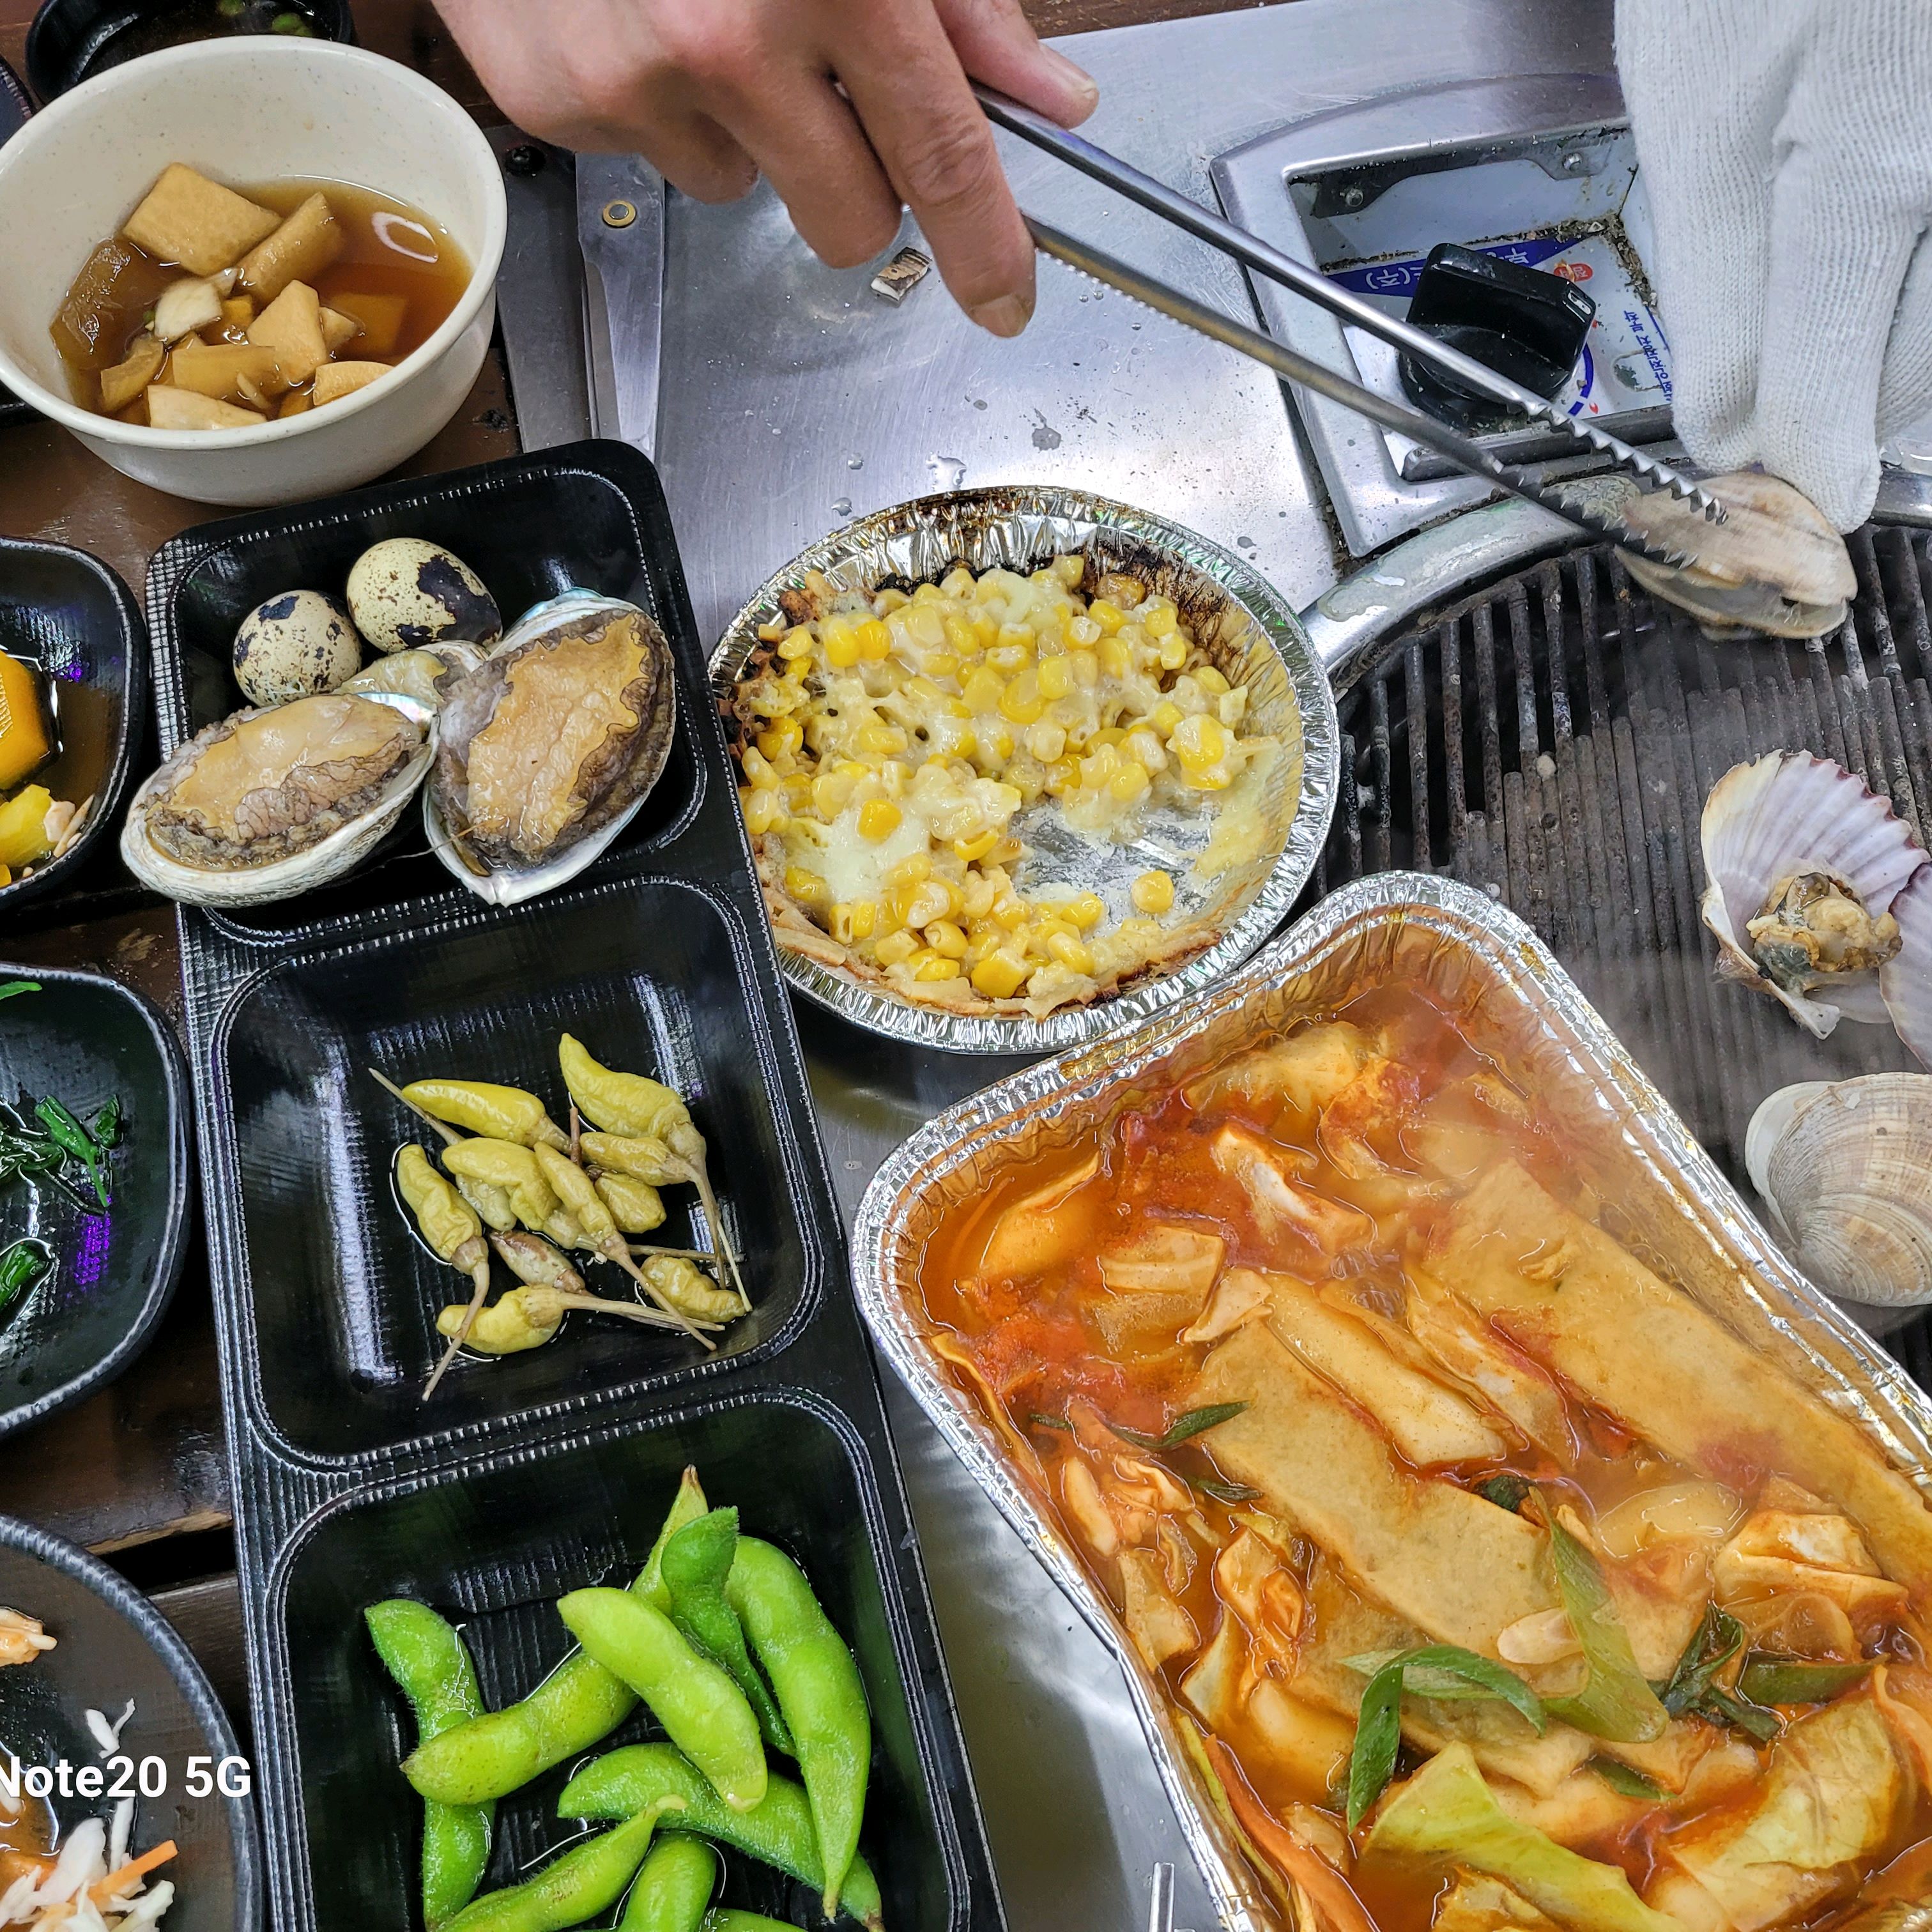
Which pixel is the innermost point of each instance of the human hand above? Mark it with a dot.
(715, 92)
(1787, 148)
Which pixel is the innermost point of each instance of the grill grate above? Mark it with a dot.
(1551, 740)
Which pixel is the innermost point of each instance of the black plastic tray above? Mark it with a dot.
(527, 1477)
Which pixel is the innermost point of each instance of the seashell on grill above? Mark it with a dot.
(1905, 979)
(1846, 1168)
(266, 804)
(1801, 864)
(1774, 564)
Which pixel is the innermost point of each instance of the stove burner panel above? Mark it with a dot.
(1551, 740)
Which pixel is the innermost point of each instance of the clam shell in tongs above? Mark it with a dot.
(548, 748)
(1798, 848)
(266, 804)
(1774, 564)
(1845, 1168)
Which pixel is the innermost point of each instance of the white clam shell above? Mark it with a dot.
(1790, 811)
(329, 859)
(1774, 565)
(1905, 980)
(1845, 1168)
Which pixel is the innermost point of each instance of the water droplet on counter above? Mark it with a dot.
(855, 462)
(948, 472)
(842, 506)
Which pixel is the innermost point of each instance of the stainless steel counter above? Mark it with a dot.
(789, 399)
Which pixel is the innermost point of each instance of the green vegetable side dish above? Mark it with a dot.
(779, 1832)
(425, 1656)
(13, 986)
(587, 1879)
(728, 1918)
(696, 1562)
(21, 1266)
(704, 1714)
(673, 1891)
(819, 1691)
(578, 1705)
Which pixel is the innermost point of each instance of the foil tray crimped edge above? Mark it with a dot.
(1008, 524)
(1697, 1227)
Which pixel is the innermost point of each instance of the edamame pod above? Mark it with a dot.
(579, 1704)
(686, 1507)
(729, 1919)
(697, 1560)
(674, 1887)
(819, 1691)
(779, 1831)
(702, 1711)
(426, 1656)
(587, 1879)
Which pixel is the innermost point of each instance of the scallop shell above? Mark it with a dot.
(1774, 564)
(1788, 813)
(1846, 1168)
(1905, 980)
(332, 855)
(492, 868)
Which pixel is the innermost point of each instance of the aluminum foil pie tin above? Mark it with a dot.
(1666, 1200)
(1246, 626)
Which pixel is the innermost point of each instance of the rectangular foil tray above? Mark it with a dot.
(1672, 1208)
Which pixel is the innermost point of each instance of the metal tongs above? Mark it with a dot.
(1253, 253)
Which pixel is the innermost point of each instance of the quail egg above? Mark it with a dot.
(406, 593)
(294, 645)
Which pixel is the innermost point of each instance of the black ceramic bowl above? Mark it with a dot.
(71, 39)
(66, 613)
(111, 1644)
(14, 109)
(83, 1039)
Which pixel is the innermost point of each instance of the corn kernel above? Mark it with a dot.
(1083, 631)
(1143, 746)
(1086, 668)
(797, 643)
(975, 897)
(956, 584)
(879, 818)
(1070, 952)
(1020, 700)
(920, 904)
(1105, 739)
(1046, 741)
(831, 791)
(887, 601)
(1128, 784)
(1010, 912)
(770, 633)
(1162, 621)
(999, 976)
(928, 965)
(1086, 911)
(884, 740)
(1173, 652)
(1055, 676)
(983, 691)
(757, 767)
(967, 850)
(943, 936)
(854, 920)
(1154, 891)
(1165, 716)
(1109, 616)
(807, 888)
(1116, 659)
(941, 664)
(896, 948)
(1198, 742)
(1061, 775)
(1210, 680)
(762, 807)
(875, 641)
(911, 871)
(1000, 745)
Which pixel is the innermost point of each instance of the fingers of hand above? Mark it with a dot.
(996, 44)
(937, 148)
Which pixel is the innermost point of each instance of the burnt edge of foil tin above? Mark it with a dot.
(1502, 965)
(1016, 523)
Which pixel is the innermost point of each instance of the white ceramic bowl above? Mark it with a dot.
(259, 108)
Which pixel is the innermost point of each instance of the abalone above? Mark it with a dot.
(549, 747)
(265, 804)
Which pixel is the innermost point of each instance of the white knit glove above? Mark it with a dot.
(1786, 147)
